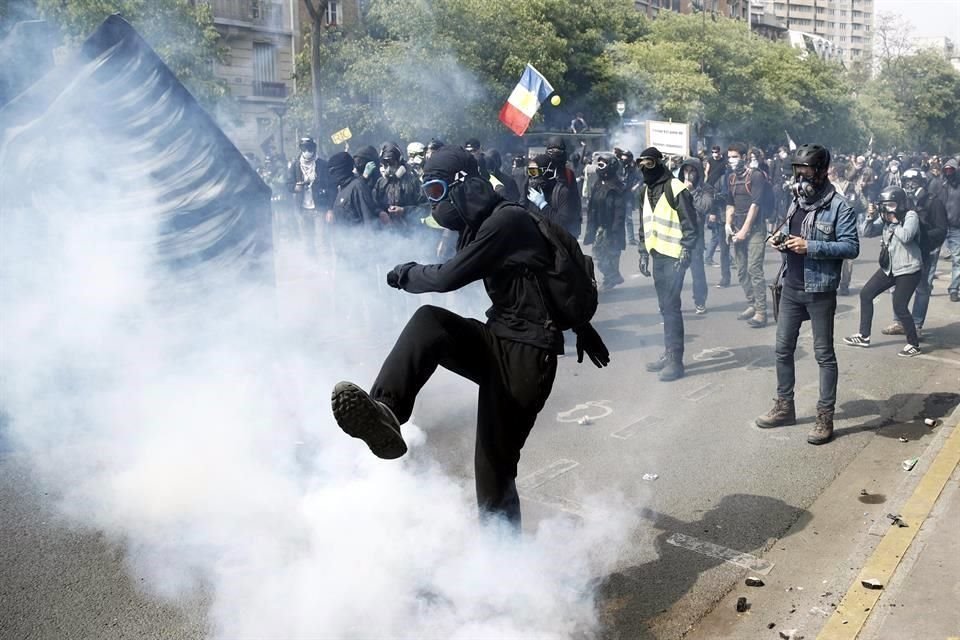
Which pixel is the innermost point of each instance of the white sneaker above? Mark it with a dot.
(909, 351)
(857, 340)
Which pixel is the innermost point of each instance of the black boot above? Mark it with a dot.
(658, 364)
(673, 370)
(370, 420)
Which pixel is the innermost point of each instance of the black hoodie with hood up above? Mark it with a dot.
(353, 203)
(499, 243)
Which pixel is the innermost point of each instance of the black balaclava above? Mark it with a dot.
(652, 176)
(542, 182)
(362, 160)
(453, 165)
(557, 151)
(340, 167)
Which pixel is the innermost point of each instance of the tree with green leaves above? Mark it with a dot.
(180, 31)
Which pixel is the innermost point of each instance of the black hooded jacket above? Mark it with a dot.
(702, 192)
(607, 210)
(353, 204)
(501, 245)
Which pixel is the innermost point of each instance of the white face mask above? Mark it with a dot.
(734, 163)
(309, 155)
(783, 155)
(754, 164)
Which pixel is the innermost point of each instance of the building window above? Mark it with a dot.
(334, 13)
(265, 71)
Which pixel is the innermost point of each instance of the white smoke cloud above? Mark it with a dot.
(199, 434)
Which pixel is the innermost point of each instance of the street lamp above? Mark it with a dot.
(281, 110)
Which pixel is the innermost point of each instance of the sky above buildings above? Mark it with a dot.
(930, 18)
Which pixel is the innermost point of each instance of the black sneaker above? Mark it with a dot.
(857, 340)
(360, 416)
(954, 296)
(909, 351)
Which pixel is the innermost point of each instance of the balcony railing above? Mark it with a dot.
(269, 14)
(270, 89)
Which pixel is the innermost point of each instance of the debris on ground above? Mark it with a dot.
(902, 439)
(895, 519)
(909, 464)
(771, 625)
(650, 476)
(584, 421)
(742, 604)
(863, 492)
(753, 582)
(791, 634)
(931, 422)
(872, 583)
(817, 611)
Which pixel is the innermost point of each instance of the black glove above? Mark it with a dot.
(589, 342)
(683, 261)
(398, 275)
(645, 264)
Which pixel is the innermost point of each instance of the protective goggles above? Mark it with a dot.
(646, 163)
(803, 171)
(536, 172)
(889, 207)
(602, 164)
(436, 189)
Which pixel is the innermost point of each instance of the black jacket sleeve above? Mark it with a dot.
(937, 216)
(687, 213)
(365, 205)
(476, 261)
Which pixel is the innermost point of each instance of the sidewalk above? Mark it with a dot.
(916, 563)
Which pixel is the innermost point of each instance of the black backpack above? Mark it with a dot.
(568, 287)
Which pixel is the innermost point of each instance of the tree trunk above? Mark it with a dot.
(316, 32)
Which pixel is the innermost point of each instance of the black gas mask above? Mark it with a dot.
(807, 183)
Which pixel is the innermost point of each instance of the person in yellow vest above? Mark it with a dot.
(668, 235)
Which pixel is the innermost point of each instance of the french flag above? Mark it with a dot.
(526, 98)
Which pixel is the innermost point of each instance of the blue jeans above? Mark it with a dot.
(796, 306)
(953, 246)
(698, 273)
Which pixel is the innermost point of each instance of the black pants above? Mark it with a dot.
(904, 285)
(514, 378)
(796, 306)
(668, 281)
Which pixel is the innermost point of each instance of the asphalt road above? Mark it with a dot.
(722, 487)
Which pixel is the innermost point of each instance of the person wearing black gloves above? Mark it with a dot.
(512, 357)
(502, 183)
(668, 233)
(397, 191)
(551, 188)
(606, 212)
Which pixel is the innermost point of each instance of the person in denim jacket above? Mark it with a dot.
(819, 233)
(901, 266)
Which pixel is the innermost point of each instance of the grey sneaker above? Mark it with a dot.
(782, 414)
(701, 309)
(758, 321)
(747, 313)
(360, 416)
(822, 431)
(895, 329)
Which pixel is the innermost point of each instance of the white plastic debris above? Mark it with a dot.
(650, 476)
(902, 439)
(908, 465)
(585, 420)
(931, 422)
(872, 583)
(791, 634)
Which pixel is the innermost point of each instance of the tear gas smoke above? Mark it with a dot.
(169, 397)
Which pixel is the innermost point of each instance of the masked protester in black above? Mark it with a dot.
(512, 357)
(397, 191)
(668, 234)
(569, 204)
(552, 197)
(606, 213)
(502, 183)
(691, 174)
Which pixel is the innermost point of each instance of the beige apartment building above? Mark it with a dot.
(259, 39)
(848, 24)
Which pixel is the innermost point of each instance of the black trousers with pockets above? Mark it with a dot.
(515, 380)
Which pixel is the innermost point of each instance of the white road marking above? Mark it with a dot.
(599, 407)
(633, 429)
(730, 556)
(548, 473)
(700, 393)
(952, 361)
(557, 502)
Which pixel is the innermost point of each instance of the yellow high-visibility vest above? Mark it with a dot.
(661, 224)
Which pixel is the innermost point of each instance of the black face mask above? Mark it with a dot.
(447, 215)
(537, 183)
(654, 174)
